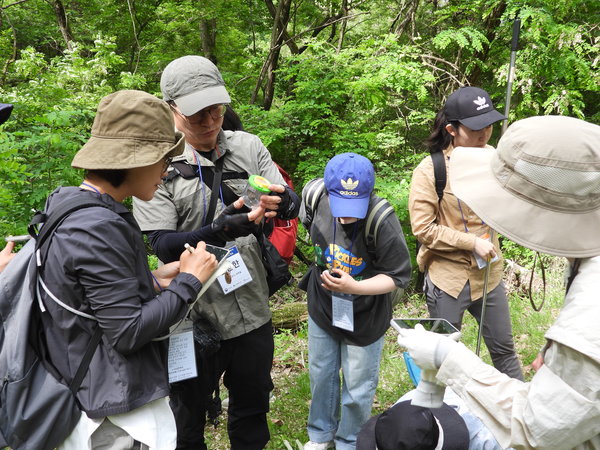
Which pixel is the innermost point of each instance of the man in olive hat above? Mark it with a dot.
(96, 265)
(541, 189)
(180, 210)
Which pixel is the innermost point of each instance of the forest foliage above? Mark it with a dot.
(311, 77)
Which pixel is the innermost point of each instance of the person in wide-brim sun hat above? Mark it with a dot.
(542, 193)
(541, 188)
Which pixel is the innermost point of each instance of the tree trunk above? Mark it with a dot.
(63, 23)
(491, 24)
(290, 316)
(208, 36)
(406, 16)
(280, 22)
(344, 13)
(13, 55)
(286, 37)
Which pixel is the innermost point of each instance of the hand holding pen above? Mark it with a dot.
(197, 261)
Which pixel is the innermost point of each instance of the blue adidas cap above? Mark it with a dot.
(349, 180)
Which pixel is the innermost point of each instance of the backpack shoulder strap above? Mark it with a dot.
(314, 191)
(86, 360)
(49, 224)
(379, 209)
(52, 220)
(207, 174)
(188, 171)
(439, 172)
(181, 169)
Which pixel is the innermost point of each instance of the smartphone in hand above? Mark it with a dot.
(441, 326)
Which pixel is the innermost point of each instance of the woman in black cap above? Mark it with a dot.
(455, 243)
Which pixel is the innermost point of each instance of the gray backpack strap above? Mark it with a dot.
(378, 211)
(311, 196)
(315, 190)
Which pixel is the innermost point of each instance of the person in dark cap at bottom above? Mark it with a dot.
(5, 110)
(406, 426)
(398, 427)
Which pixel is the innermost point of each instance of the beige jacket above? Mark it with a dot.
(559, 408)
(446, 246)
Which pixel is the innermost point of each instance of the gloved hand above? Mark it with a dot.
(286, 205)
(283, 200)
(428, 350)
(232, 224)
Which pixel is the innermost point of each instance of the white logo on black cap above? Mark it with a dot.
(481, 103)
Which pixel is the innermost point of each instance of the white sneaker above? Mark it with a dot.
(310, 445)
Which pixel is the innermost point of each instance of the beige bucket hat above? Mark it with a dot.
(540, 188)
(131, 129)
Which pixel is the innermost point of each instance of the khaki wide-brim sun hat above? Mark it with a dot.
(540, 188)
(131, 129)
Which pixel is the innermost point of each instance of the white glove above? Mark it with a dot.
(427, 349)
(429, 392)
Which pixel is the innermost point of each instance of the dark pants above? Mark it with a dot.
(497, 329)
(246, 362)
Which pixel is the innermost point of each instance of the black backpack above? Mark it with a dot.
(37, 411)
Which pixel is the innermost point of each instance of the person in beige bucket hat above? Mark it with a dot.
(96, 264)
(541, 188)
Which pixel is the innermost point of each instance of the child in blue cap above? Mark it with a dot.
(361, 258)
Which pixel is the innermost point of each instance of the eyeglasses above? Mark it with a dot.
(166, 163)
(215, 111)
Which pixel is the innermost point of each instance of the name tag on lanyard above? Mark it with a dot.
(342, 305)
(182, 357)
(342, 311)
(238, 275)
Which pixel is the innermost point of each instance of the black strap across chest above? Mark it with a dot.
(189, 171)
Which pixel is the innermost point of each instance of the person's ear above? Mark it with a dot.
(451, 130)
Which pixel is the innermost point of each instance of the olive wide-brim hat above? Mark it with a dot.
(131, 129)
(540, 188)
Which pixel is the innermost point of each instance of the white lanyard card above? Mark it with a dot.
(342, 311)
(237, 275)
(182, 357)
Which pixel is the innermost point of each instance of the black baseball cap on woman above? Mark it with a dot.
(472, 107)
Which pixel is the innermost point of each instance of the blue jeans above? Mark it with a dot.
(335, 417)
